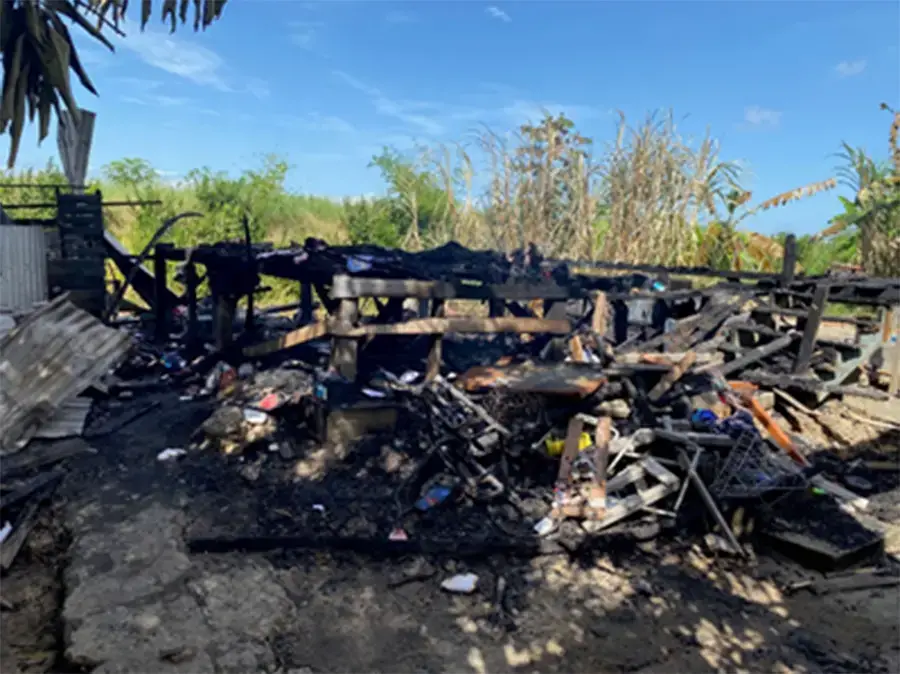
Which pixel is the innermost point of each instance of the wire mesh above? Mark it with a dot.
(751, 470)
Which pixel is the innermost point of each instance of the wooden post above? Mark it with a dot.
(433, 366)
(602, 436)
(599, 318)
(620, 321)
(159, 285)
(570, 451)
(190, 280)
(306, 304)
(223, 321)
(248, 317)
(811, 328)
(891, 348)
(344, 350)
(789, 263)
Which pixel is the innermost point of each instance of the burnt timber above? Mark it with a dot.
(650, 305)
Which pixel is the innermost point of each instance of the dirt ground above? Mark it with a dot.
(107, 584)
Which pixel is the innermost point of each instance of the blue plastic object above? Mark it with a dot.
(434, 496)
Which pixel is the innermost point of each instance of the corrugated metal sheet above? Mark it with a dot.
(68, 420)
(23, 267)
(54, 354)
(7, 323)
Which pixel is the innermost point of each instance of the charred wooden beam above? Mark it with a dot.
(750, 357)
(433, 365)
(191, 283)
(462, 324)
(345, 347)
(811, 329)
(295, 337)
(347, 287)
(306, 303)
(160, 306)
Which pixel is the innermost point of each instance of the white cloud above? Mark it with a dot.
(850, 68)
(158, 100)
(499, 14)
(404, 111)
(139, 83)
(190, 61)
(759, 117)
(178, 57)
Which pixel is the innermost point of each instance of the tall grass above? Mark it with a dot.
(650, 195)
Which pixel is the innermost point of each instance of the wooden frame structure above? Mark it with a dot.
(392, 278)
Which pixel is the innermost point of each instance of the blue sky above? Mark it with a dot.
(325, 85)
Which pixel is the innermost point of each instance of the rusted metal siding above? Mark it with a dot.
(23, 267)
(54, 354)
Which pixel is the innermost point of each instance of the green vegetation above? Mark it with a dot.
(650, 197)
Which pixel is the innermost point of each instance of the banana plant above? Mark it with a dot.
(722, 246)
(874, 212)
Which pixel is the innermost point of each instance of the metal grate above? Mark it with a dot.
(751, 470)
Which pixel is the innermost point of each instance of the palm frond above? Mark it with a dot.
(38, 53)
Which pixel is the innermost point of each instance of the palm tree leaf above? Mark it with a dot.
(170, 9)
(7, 19)
(55, 59)
(74, 61)
(39, 52)
(33, 24)
(66, 9)
(12, 71)
(18, 119)
(47, 101)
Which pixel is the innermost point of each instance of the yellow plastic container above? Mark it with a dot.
(556, 446)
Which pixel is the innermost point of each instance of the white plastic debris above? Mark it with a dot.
(409, 376)
(398, 534)
(463, 583)
(318, 507)
(170, 454)
(373, 393)
(255, 417)
(5, 531)
(545, 527)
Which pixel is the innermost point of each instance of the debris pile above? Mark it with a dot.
(48, 361)
(584, 405)
(569, 437)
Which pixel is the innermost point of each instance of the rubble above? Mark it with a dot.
(585, 407)
(623, 400)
